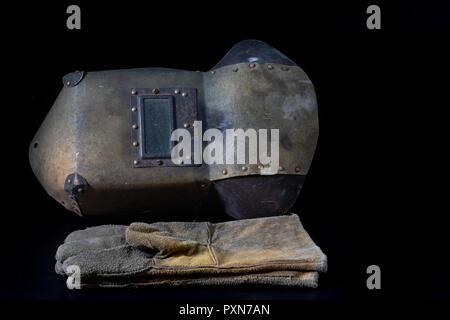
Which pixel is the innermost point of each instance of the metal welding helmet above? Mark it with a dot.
(105, 146)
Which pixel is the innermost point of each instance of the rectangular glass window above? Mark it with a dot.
(157, 127)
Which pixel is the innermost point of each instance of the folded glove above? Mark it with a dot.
(273, 250)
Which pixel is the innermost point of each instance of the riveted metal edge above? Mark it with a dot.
(287, 166)
(71, 79)
(75, 185)
(185, 100)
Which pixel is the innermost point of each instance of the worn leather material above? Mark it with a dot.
(272, 250)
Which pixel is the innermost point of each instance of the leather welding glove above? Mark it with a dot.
(98, 250)
(275, 250)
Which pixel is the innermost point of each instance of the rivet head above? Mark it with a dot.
(244, 168)
(297, 169)
(235, 69)
(184, 94)
(284, 68)
(213, 72)
(80, 190)
(186, 125)
(159, 162)
(224, 171)
(134, 126)
(155, 91)
(176, 91)
(135, 143)
(68, 83)
(197, 71)
(252, 65)
(135, 162)
(69, 181)
(133, 91)
(270, 67)
(203, 185)
(134, 109)
(280, 168)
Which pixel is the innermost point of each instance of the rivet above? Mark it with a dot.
(203, 185)
(213, 72)
(197, 71)
(80, 190)
(235, 69)
(244, 168)
(184, 94)
(134, 126)
(133, 91)
(284, 68)
(159, 162)
(177, 91)
(297, 169)
(224, 171)
(68, 83)
(69, 181)
(135, 162)
(270, 67)
(280, 168)
(155, 91)
(186, 125)
(252, 65)
(134, 109)
(135, 143)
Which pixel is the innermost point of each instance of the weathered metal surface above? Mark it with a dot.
(183, 105)
(88, 132)
(262, 97)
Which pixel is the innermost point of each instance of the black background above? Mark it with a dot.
(378, 190)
